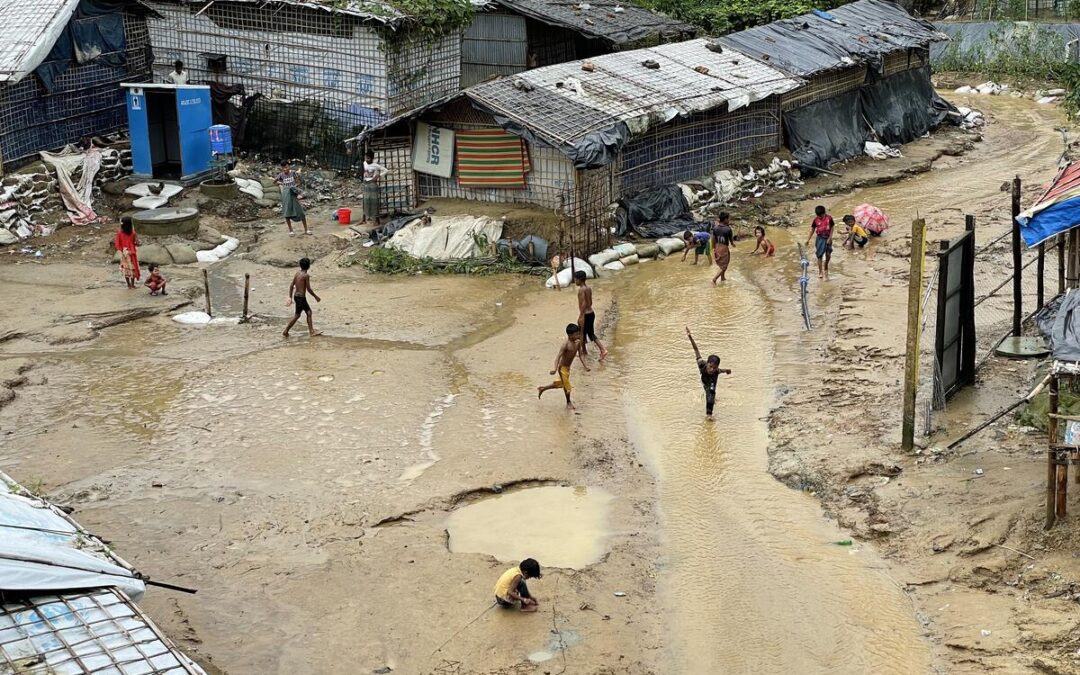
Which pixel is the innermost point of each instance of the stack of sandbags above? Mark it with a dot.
(220, 251)
(670, 245)
(566, 275)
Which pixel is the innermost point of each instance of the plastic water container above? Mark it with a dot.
(344, 216)
(221, 139)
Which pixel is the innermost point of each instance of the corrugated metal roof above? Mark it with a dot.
(364, 9)
(608, 20)
(563, 103)
(859, 32)
(28, 31)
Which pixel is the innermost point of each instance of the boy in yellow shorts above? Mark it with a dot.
(563, 361)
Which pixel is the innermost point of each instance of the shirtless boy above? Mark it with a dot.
(563, 361)
(298, 292)
(586, 316)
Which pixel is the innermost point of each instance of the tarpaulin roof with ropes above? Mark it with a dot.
(1056, 210)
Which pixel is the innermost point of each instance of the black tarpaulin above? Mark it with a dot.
(825, 132)
(660, 212)
(519, 249)
(95, 32)
(1064, 338)
(904, 106)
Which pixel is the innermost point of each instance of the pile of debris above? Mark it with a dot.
(30, 202)
(710, 195)
(1042, 96)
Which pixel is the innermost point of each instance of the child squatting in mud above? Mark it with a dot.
(563, 360)
(710, 371)
(511, 588)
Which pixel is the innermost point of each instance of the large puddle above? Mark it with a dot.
(752, 582)
(559, 526)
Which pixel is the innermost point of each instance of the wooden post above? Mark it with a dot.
(206, 291)
(1040, 268)
(911, 365)
(1070, 279)
(1051, 454)
(1018, 287)
(1061, 264)
(247, 292)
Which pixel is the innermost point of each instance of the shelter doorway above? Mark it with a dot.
(163, 128)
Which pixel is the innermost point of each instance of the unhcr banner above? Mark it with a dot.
(433, 150)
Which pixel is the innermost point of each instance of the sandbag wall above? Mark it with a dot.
(30, 203)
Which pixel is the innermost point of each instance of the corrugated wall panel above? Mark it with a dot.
(494, 44)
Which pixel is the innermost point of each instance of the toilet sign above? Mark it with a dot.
(433, 150)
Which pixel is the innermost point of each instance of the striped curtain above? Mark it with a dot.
(491, 158)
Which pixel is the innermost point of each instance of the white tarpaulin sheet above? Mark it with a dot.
(433, 150)
(42, 549)
(447, 238)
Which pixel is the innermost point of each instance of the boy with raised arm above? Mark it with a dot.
(710, 371)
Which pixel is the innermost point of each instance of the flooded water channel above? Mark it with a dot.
(752, 582)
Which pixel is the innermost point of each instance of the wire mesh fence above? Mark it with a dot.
(994, 307)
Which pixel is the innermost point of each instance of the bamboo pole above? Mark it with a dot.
(911, 366)
(1051, 454)
(1061, 264)
(1018, 273)
(206, 291)
(247, 293)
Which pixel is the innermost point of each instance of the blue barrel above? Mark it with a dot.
(221, 139)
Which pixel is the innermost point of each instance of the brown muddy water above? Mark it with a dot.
(753, 581)
(533, 523)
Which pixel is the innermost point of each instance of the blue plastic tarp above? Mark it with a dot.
(1060, 217)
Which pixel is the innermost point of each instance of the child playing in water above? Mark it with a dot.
(763, 242)
(856, 235)
(710, 371)
(563, 360)
(511, 589)
(822, 229)
(155, 282)
(699, 241)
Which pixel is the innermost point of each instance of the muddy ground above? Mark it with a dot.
(312, 490)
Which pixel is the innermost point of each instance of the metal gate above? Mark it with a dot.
(954, 347)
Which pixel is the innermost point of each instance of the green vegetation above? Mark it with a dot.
(723, 16)
(391, 261)
(1070, 80)
(1026, 53)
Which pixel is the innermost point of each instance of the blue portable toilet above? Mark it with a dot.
(169, 126)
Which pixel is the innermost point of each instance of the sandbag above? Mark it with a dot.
(193, 318)
(579, 264)
(614, 266)
(206, 257)
(647, 250)
(624, 249)
(670, 245)
(566, 278)
(630, 260)
(603, 257)
(231, 244)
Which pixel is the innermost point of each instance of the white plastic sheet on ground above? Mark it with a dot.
(447, 237)
(168, 190)
(879, 151)
(204, 319)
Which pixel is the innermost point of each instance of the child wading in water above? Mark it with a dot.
(710, 371)
(822, 229)
(763, 242)
(586, 315)
(511, 588)
(698, 241)
(298, 292)
(563, 360)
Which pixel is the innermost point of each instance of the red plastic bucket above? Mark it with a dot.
(344, 216)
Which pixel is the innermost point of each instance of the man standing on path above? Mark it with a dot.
(586, 316)
(822, 227)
